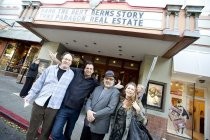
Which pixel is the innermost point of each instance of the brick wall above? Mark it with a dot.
(157, 126)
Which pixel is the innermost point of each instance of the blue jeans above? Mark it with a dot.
(65, 115)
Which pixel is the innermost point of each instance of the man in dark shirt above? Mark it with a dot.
(81, 86)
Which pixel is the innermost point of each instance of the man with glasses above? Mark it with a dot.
(81, 86)
(99, 107)
(47, 93)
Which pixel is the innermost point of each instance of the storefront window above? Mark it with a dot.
(7, 56)
(179, 122)
(196, 107)
(186, 114)
(32, 53)
(17, 57)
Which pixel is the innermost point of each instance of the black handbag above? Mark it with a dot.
(138, 131)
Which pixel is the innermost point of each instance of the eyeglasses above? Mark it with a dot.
(67, 59)
(109, 78)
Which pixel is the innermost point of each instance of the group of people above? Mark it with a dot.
(58, 96)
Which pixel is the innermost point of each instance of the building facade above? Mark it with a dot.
(127, 36)
(18, 45)
(190, 79)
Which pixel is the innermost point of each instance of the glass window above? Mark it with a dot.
(7, 56)
(186, 114)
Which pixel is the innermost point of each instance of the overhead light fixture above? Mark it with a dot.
(86, 45)
(120, 54)
(131, 64)
(99, 51)
(94, 43)
(97, 59)
(119, 50)
(67, 43)
(114, 61)
(119, 46)
(74, 41)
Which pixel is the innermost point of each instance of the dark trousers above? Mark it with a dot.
(88, 135)
(41, 115)
(64, 115)
(27, 86)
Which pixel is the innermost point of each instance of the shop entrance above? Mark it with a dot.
(18, 56)
(187, 111)
(199, 119)
(14, 56)
(125, 70)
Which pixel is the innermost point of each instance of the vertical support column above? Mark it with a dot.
(196, 21)
(26, 6)
(187, 22)
(194, 12)
(29, 10)
(176, 21)
(35, 6)
(172, 10)
(29, 13)
(22, 12)
(167, 20)
(35, 9)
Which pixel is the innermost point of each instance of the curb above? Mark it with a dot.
(23, 123)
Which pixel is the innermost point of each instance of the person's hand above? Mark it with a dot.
(136, 106)
(118, 85)
(52, 55)
(26, 102)
(90, 115)
(26, 99)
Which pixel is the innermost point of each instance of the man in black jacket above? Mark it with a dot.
(81, 86)
(79, 89)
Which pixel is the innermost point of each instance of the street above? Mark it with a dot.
(9, 99)
(10, 131)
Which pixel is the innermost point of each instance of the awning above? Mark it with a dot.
(191, 66)
(19, 34)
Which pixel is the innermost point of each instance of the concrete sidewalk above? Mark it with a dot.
(10, 131)
(11, 105)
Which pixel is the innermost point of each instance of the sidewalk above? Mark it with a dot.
(10, 131)
(11, 105)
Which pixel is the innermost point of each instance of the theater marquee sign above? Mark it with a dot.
(125, 18)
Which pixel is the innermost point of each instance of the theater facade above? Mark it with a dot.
(135, 40)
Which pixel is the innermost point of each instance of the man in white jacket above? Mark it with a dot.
(48, 92)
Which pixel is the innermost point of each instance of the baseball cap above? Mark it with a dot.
(109, 73)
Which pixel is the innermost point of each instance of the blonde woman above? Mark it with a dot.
(127, 107)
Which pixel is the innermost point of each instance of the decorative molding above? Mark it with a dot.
(172, 10)
(36, 3)
(30, 9)
(193, 11)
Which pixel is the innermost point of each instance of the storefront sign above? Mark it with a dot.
(127, 18)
